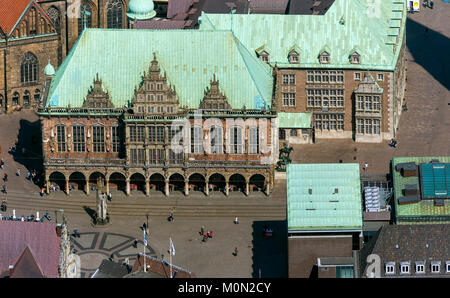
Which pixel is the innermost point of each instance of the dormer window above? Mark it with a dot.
(447, 267)
(435, 267)
(390, 268)
(324, 58)
(420, 267)
(355, 58)
(294, 57)
(404, 267)
(264, 56)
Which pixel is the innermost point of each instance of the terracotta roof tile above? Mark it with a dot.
(40, 237)
(10, 12)
(26, 266)
(160, 268)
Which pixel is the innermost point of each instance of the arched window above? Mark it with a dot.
(83, 9)
(32, 21)
(26, 98)
(114, 16)
(15, 99)
(37, 95)
(55, 16)
(29, 68)
(42, 26)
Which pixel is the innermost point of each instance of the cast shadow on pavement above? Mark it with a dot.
(270, 254)
(430, 49)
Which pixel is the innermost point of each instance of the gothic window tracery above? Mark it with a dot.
(28, 68)
(114, 14)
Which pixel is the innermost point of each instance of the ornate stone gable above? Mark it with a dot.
(97, 98)
(154, 94)
(214, 99)
(368, 86)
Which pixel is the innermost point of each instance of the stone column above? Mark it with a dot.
(247, 188)
(268, 189)
(227, 185)
(207, 188)
(107, 186)
(147, 187)
(186, 187)
(128, 186)
(86, 188)
(67, 186)
(47, 185)
(166, 188)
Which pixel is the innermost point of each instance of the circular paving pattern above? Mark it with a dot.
(94, 247)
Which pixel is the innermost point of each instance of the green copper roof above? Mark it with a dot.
(49, 70)
(294, 120)
(189, 58)
(425, 209)
(141, 9)
(324, 208)
(375, 28)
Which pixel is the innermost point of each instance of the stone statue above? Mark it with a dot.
(102, 214)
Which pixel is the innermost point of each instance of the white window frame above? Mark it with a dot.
(389, 268)
(420, 266)
(405, 268)
(380, 77)
(432, 266)
(357, 76)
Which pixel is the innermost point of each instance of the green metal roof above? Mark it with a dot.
(366, 26)
(188, 57)
(323, 209)
(294, 120)
(435, 180)
(423, 211)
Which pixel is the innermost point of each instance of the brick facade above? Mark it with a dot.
(391, 82)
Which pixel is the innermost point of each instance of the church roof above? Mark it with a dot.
(374, 28)
(41, 239)
(190, 59)
(12, 11)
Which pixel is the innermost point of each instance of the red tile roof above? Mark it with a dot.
(160, 268)
(12, 10)
(39, 236)
(178, 7)
(26, 266)
(159, 24)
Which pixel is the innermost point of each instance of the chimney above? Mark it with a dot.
(11, 270)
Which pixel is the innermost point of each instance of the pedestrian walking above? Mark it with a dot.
(210, 234)
(4, 189)
(202, 230)
(205, 238)
(2, 164)
(110, 197)
(235, 253)
(145, 227)
(236, 221)
(171, 216)
(18, 172)
(135, 243)
(5, 177)
(365, 166)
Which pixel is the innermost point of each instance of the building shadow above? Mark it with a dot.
(29, 147)
(270, 254)
(429, 49)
